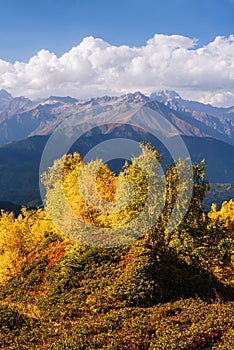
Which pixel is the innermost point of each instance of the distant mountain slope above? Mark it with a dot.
(207, 131)
(173, 100)
(219, 157)
(10, 105)
(19, 162)
(10, 207)
(217, 122)
(218, 193)
(19, 175)
(21, 118)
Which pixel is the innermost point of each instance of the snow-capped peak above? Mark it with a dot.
(165, 95)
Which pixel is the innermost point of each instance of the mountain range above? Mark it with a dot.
(21, 118)
(25, 126)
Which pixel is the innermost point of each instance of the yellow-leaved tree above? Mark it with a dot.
(225, 215)
(18, 237)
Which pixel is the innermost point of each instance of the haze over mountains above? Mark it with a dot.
(25, 126)
(21, 117)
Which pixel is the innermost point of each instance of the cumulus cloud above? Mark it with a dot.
(95, 67)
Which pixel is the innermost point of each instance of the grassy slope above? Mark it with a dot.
(71, 297)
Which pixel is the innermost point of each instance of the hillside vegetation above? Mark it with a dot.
(161, 290)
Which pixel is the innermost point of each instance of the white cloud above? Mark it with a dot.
(95, 67)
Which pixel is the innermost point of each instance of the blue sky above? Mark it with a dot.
(52, 47)
(28, 26)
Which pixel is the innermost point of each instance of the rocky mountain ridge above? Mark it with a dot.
(20, 117)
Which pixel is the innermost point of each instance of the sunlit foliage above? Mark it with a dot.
(163, 290)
